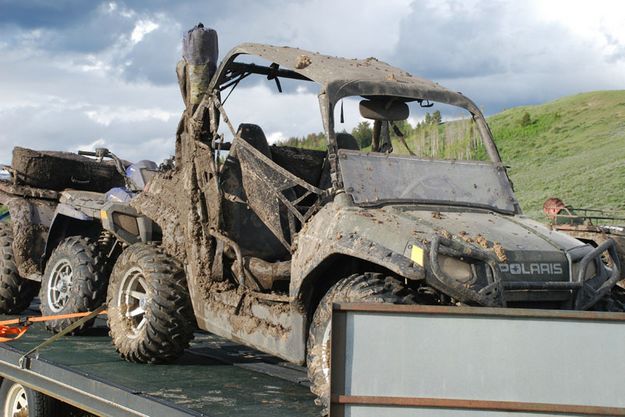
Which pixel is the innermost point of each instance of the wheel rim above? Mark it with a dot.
(133, 300)
(17, 402)
(60, 285)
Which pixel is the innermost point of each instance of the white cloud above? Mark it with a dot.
(142, 28)
(274, 137)
(98, 143)
(284, 113)
(106, 115)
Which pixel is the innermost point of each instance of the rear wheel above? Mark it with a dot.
(149, 309)
(19, 401)
(16, 293)
(74, 281)
(365, 288)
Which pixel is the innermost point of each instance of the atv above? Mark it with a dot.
(61, 249)
(257, 241)
(82, 243)
(31, 195)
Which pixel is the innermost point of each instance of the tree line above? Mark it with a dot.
(429, 138)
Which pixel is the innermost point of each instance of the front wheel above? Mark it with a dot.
(149, 309)
(364, 288)
(74, 281)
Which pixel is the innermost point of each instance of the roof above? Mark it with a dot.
(342, 77)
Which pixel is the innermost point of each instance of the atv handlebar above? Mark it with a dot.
(101, 153)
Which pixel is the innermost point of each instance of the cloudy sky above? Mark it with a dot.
(75, 74)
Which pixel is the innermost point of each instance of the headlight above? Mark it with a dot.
(591, 270)
(456, 269)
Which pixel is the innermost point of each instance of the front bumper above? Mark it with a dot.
(491, 294)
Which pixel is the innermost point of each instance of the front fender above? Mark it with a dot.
(312, 252)
(67, 221)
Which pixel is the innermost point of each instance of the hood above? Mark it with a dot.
(527, 250)
(514, 233)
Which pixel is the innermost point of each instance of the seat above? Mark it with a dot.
(241, 223)
(254, 135)
(346, 141)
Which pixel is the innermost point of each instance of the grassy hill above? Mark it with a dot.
(573, 148)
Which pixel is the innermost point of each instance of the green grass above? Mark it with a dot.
(573, 149)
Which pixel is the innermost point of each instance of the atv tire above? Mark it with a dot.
(365, 288)
(149, 309)
(74, 281)
(16, 293)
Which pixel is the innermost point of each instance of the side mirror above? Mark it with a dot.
(384, 110)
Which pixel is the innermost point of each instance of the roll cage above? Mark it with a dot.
(338, 78)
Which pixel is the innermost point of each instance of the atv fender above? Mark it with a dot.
(67, 221)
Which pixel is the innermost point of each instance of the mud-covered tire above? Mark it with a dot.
(364, 288)
(149, 308)
(74, 281)
(16, 293)
(15, 397)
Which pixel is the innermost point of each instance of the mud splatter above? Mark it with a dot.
(444, 233)
(465, 236)
(500, 252)
(303, 61)
(481, 240)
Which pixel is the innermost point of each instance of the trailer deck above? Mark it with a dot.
(214, 378)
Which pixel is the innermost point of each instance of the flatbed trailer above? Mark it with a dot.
(213, 378)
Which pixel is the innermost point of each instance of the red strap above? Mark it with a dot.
(9, 333)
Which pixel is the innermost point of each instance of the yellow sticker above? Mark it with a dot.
(103, 215)
(416, 255)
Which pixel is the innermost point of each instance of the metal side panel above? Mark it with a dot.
(390, 360)
(83, 391)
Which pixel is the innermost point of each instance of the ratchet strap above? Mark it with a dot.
(13, 329)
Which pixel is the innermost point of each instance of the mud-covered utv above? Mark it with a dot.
(257, 246)
(54, 242)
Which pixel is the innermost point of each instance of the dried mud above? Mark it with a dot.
(29, 232)
(60, 170)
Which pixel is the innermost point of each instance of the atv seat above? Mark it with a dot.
(71, 195)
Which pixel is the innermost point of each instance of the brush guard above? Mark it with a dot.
(587, 291)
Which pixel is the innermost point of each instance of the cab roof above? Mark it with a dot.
(341, 77)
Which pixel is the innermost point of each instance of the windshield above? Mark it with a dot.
(434, 154)
(373, 178)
